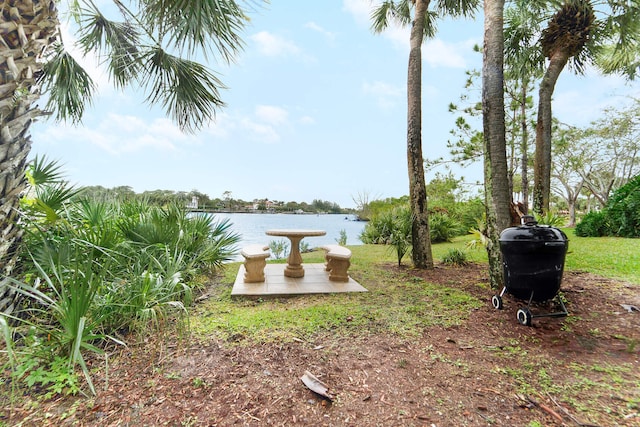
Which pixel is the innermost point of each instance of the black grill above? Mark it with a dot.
(533, 261)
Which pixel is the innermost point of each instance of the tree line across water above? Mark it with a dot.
(196, 200)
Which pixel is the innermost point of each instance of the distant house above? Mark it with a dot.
(193, 204)
(263, 204)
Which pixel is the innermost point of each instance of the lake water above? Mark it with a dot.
(252, 227)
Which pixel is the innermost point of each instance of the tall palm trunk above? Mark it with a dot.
(524, 145)
(542, 158)
(497, 194)
(28, 28)
(422, 256)
(565, 37)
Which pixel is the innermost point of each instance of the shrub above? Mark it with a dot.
(390, 227)
(278, 248)
(443, 228)
(623, 210)
(620, 217)
(593, 224)
(468, 213)
(455, 257)
(96, 269)
(551, 219)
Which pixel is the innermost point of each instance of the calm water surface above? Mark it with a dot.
(252, 227)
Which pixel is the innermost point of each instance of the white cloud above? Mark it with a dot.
(222, 126)
(273, 45)
(398, 36)
(386, 94)
(271, 114)
(121, 134)
(439, 53)
(435, 52)
(578, 100)
(307, 120)
(360, 10)
(260, 131)
(315, 27)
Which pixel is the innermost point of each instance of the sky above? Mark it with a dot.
(315, 109)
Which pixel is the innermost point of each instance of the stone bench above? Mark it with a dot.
(255, 259)
(337, 262)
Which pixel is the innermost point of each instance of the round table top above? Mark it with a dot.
(295, 232)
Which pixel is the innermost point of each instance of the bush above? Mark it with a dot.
(96, 269)
(455, 257)
(623, 210)
(443, 228)
(468, 213)
(551, 219)
(620, 217)
(394, 225)
(593, 224)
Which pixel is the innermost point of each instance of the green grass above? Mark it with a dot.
(613, 257)
(396, 303)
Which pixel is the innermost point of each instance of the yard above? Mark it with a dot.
(421, 348)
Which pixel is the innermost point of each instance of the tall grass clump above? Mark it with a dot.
(94, 271)
(390, 227)
(455, 257)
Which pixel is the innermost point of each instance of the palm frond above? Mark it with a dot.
(55, 196)
(115, 42)
(41, 171)
(389, 13)
(619, 32)
(69, 86)
(458, 8)
(187, 90)
(198, 25)
(400, 13)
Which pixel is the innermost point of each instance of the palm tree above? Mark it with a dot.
(565, 37)
(150, 47)
(497, 192)
(611, 41)
(422, 26)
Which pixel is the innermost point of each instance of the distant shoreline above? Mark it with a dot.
(226, 211)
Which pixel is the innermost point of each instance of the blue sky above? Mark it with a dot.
(316, 109)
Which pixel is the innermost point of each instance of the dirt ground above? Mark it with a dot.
(582, 370)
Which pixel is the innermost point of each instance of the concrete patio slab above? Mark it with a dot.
(315, 281)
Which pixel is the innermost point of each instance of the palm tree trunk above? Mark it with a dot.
(524, 146)
(497, 195)
(29, 27)
(542, 159)
(420, 236)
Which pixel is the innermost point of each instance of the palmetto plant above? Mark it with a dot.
(65, 292)
(391, 227)
(202, 242)
(97, 269)
(150, 44)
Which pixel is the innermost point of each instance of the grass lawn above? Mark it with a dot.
(420, 348)
(391, 302)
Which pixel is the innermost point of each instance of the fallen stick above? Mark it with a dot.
(566, 412)
(548, 410)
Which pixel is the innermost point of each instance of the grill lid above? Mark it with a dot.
(531, 231)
